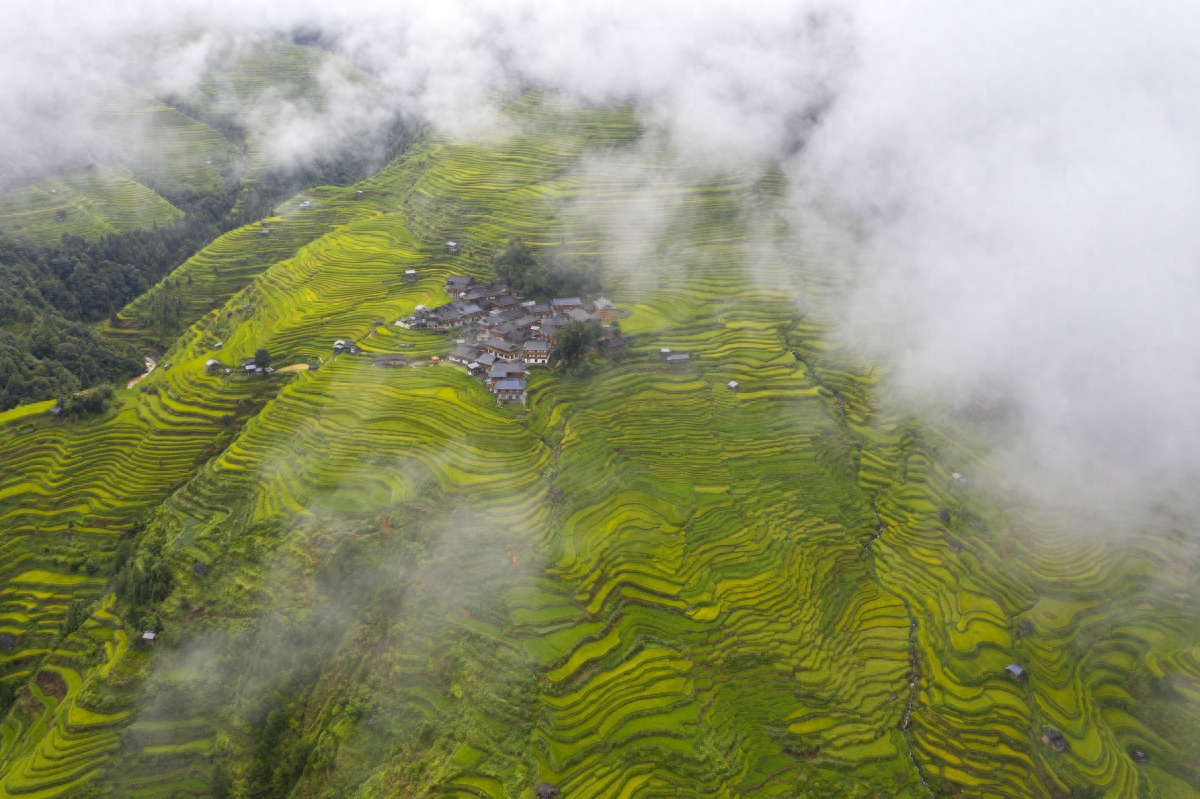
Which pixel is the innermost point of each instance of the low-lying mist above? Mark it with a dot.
(1021, 180)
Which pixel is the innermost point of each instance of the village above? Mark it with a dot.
(501, 335)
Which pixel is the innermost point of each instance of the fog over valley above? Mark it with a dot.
(1022, 179)
(616, 399)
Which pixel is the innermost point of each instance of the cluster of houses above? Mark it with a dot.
(502, 335)
(249, 367)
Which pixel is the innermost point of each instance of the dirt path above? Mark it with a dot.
(150, 364)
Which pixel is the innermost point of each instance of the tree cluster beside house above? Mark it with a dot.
(502, 334)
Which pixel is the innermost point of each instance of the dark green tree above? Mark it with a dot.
(165, 311)
(516, 264)
(262, 358)
(91, 402)
(574, 341)
(553, 274)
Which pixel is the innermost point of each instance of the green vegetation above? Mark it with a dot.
(575, 340)
(90, 402)
(81, 246)
(54, 358)
(552, 274)
(376, 582)
(88, 203)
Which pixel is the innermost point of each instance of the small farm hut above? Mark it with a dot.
(1054, 739)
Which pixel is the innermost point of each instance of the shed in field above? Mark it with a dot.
(1054, 739)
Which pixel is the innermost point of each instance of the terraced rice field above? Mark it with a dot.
(87, 203)
(141, 146)
(208, 280)
(644, 584)
(162, 146)
(272, 83)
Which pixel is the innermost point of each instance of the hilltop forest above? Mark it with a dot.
(740, 575)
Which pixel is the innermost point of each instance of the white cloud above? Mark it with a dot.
(1026, 175)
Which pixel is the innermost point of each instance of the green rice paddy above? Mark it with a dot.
(145, 141)
(87, 203)
(644, 584)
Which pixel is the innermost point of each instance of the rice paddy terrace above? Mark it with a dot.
(271, 83)
(149, 145)
(87, 203)
(643, 584)
(141, 145)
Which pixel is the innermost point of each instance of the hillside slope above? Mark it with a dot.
(376, 582)
(87, 202)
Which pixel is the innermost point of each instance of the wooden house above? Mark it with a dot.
(611, 345)
(1054, 739)
(549, 328)
(503, 349)
(606, 310)
(464, 354)
(471, 313)
(564, 304)
(457, 284)
(536, 351)
(511, 390)
(504, 371)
